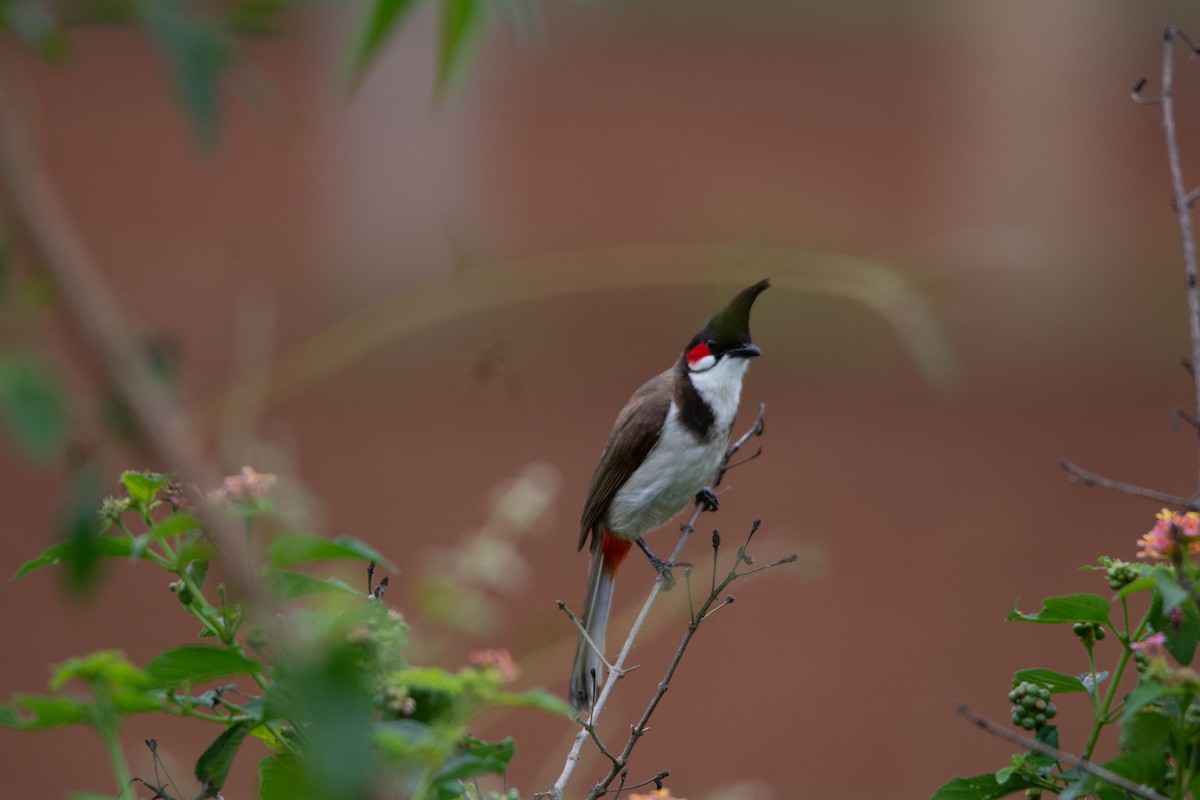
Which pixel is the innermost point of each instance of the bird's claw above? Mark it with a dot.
(708, 498)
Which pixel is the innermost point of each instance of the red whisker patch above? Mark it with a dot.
(698, 352)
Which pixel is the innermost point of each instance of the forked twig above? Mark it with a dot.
(1084, 477)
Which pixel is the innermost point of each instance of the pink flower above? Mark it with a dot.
(498, 659)
(247, 486)
(1159, 541)
(1152, 646)
(1189, 523)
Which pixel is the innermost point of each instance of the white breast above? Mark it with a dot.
(679, 465)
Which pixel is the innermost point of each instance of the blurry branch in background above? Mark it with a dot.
(865, 281)
(48, 234)
(1181, 201)
(1131, 788)
(618, 762)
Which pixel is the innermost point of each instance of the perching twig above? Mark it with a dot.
(1085, 478)
(1029, 743)
(705, 611)
(618, 666)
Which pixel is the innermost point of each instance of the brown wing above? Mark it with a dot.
(634, 434)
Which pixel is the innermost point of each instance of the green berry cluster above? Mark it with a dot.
(1120, 574)
(1088, 632)
(1031, 705)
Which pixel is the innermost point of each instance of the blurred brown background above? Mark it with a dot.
(988, 152)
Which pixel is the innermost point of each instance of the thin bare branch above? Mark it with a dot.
(1083, 477)
(1178, 415)
(1135, 94)
(706, 610)
(103, 326)
(1182, 206)
(1029, 743)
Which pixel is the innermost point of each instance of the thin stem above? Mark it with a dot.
(1103, 718)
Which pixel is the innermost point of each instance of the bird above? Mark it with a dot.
(664, 448)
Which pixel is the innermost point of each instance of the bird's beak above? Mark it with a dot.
(745, 351)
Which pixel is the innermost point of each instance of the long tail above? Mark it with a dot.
(607, 553)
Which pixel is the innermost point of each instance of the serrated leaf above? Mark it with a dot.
(475, 758)
(280, 777)
(102, 547)
(1181, 628)
(106, 666)
(1147, 768)
(980, 787)
(143, 487)
(1172, 593)
(382, 23)
(461, 23)
(300, 548)
(34, 406)
(195, 663)
(537, 699)
(1142, 584)
(288, 586)
(177, 524)
(213, 765)
(1066, 608)
(31, 712)
(1054, 681)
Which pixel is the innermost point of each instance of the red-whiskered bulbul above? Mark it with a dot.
(664, 448)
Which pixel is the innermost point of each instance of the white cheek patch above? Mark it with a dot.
(701, 364)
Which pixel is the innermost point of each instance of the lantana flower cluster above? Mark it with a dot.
(1171, 530)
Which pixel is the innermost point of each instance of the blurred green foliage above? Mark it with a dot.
(326, 687)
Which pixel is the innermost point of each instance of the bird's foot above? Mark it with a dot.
(708, 498)
(662, 567)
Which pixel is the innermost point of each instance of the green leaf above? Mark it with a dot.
(177, 524)
(1172, 593)
(195, 663)
(30, 712)
(1142, 584)
(1067, 608)
(109, 667)
(537, 699)
(143, 487)
(461, 23)
(195, 53)
(281, 778)
(382, 23)
(34, 406)
(63, 552)
(34, 25)
(1054, 681)
(213, 765)
(476, 758)
(1181, 627)
(299, 548)
(980, 787)
(292, 585)
(1147, 768)
(82, 542)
